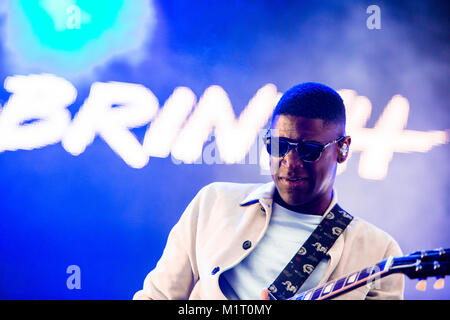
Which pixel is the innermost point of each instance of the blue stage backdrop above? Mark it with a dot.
(114, 114)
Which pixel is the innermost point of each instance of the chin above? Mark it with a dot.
(296, 200)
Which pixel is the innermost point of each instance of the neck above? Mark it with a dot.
(315, 207)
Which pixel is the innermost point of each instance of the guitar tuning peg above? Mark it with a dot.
(439, 284)
(421, 285)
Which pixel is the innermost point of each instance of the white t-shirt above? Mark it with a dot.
(286, 232)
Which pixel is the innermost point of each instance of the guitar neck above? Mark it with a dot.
(352, 281)
(417, 265)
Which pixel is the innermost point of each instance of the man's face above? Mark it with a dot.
(302, 183)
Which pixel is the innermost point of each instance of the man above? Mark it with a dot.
(233, 240)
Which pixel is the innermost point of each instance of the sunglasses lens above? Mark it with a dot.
(276, 147)
(309, 152)
(279, 148)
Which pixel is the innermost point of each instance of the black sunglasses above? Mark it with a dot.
(308, 151)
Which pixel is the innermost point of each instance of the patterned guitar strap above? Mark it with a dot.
(310, 254)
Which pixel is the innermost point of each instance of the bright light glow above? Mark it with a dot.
(378, 144)
(164, 130)
(71, 37)
(136, 107)
(40, 100)
(63, 13)
(357, 109)
(35, 115)
(234, 138)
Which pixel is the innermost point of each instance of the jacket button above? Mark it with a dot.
(247, 244)
(215, 270)
(262, 209)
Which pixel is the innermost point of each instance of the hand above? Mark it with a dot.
(264, 295)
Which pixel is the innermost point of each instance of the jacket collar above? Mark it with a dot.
(264, 191)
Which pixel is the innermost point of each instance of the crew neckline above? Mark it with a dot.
(312, 218)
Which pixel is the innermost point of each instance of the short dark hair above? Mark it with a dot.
(312, 100)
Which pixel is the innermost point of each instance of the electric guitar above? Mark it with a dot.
(418, 265)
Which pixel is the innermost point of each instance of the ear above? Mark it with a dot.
(344, 149)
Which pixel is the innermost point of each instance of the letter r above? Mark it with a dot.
(136, 106)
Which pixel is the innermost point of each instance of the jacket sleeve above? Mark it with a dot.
(390, 287)
(176, 272)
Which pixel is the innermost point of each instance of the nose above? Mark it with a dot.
(291, 160)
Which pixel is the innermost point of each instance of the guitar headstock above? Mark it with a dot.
(424, 264)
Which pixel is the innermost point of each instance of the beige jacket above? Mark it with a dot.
(208, 239)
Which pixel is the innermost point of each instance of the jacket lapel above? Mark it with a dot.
(334, 253)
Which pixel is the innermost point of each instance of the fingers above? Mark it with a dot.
(264, 295)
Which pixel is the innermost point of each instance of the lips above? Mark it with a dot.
(293, 181)
(293, 178)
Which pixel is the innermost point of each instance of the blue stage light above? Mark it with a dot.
(69, 25)
(71, 36)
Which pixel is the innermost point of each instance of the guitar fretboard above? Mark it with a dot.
(352, 281)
